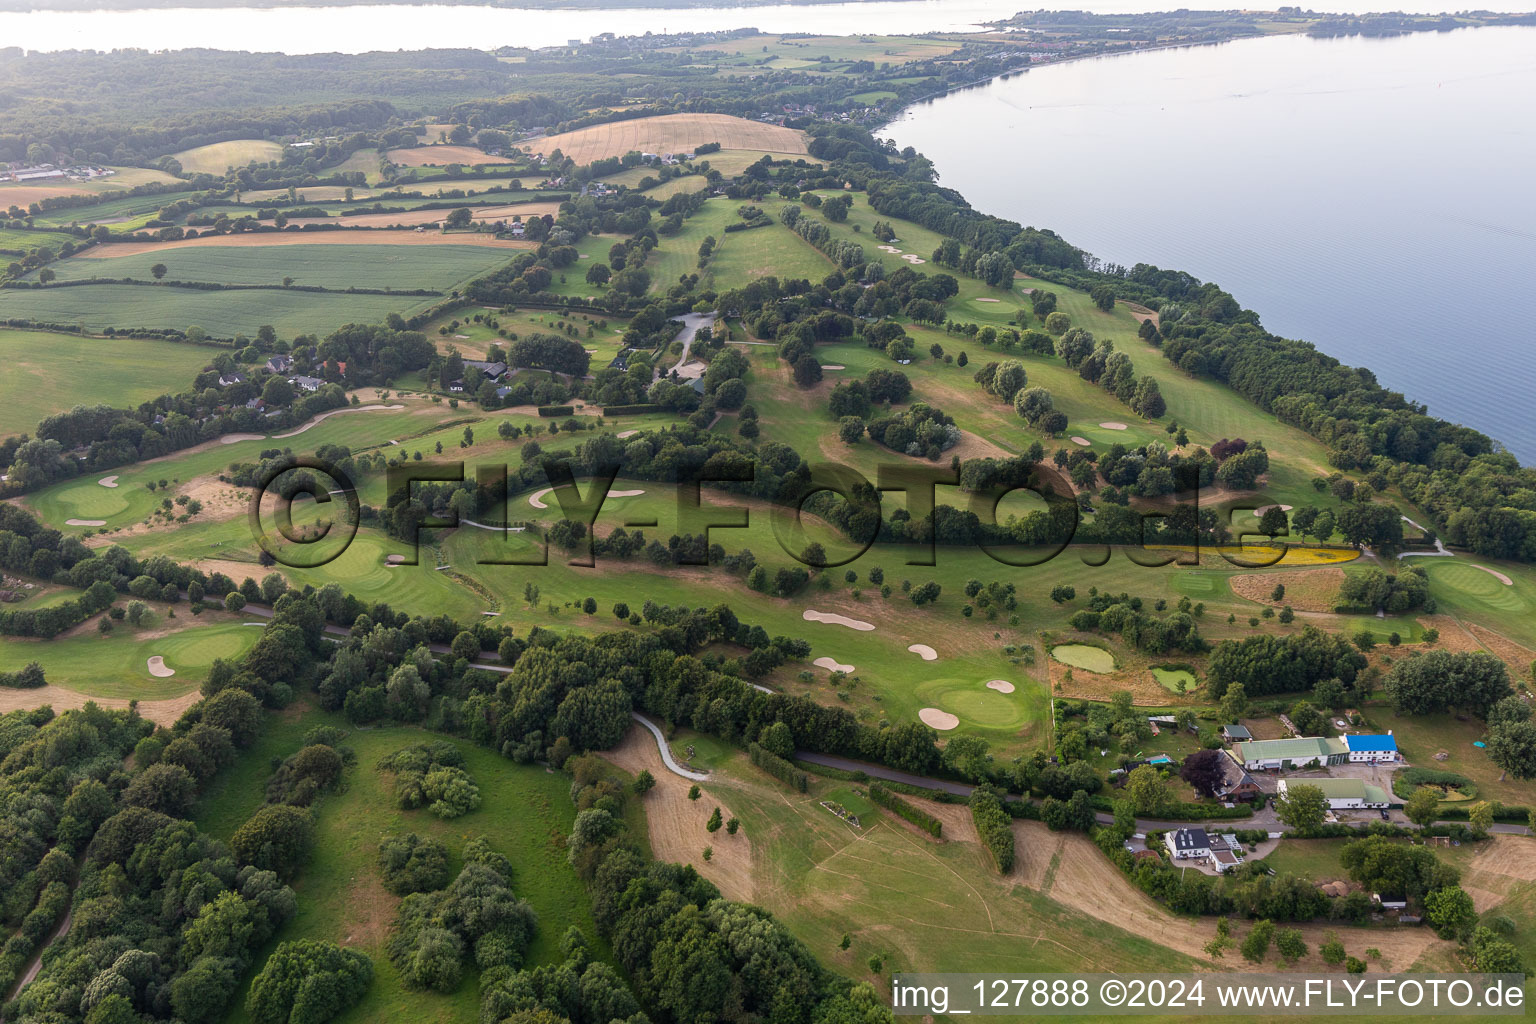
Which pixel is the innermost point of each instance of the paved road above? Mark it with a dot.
(691, 324)
(1439, 551)
(666, 753)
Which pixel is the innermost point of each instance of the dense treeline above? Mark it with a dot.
(881, 795)
(1282, 664)
(994, 826)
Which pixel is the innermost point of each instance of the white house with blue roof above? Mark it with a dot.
(1372, 749)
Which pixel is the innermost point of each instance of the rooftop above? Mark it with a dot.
(1236, 732)
(1292, 749)
(1191, 839)
(1347, 789)
(1365, 743)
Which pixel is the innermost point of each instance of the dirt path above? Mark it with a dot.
(677, 824)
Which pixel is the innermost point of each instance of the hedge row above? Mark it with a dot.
(916, 815)
(218, 286)
(29, 678)
(827, 771)
(761, 222)
(779, 768)
(556, 410)
(992, 824)
(631, 410)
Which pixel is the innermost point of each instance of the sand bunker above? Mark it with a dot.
(833, 366)
(1260, 511)
(914, 259)
(831, 665)
(1000, 685)
(108, 481)
(85, 522)
(1494, 572)
(1114, 425)
(889, 248)
(940, 720)
(1081, 440)
(158, 669)
(626, 433)
(925, 652)
(989, 300)
(237, 438)
(837, 620)
(393, 559)
(536, 499)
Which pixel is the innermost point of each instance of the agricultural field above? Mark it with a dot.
(61, 371)
(14, 243)
(23, 195)
(810, 50)
(439, 267)
(671, 133)
(218, 157)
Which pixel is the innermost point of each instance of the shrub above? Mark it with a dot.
(776, 766)
(994, 826)
(308, 982)
(411, 863)
(916, 815)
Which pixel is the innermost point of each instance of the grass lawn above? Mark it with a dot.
(1314, 859)
(1420, 737)
(525, 811)
(1091, 659)
(116, 665)
(46, 373)
(19, 243)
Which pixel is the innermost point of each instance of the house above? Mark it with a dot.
(1345, 794)
(1392, 904)
(256, 403)
(279, 364)
(1225, 860)
(491, 370)
(1236, 784)
(1372, 749)
(1281, 755)
(306, 383)
(1235, 734)
(456, 385)
(226, 379)
(1188, 843)
(697, 384)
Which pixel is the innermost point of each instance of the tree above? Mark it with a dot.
(693, 791)
(1146, 790)
(1480, 817)
(276, 838)
(1512, 746)
(1291, 945)
(850, 429)
(167, 788)
(1256, 944)
(1302, 807)
(807, 371)
(1234, 703)
(308, 982)
(1423, 806)
(1332, 951)
(1063, 592)
(1450, 908)
(158, 271)
(644, 782)
(1204, 770)
(1057, 323)
(715, 821)
(732, 825)
(598, 274)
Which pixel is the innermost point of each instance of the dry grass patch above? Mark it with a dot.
(1306, 590)
(161, 712)
(671, 133)
(411, 218)
(1517, 657)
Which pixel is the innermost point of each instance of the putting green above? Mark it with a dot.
(1091, 659)
(194, 649)
(1171, 677)
(1194, 583)
(1470, 581)
(973, 703)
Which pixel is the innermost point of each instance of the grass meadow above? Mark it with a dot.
(525, 811)
(45, 373)
(218, 157)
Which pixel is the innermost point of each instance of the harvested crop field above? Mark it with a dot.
(1306, 590)
(265, 238)
(220, 156)
(671, 133)
(442, 156)
(411, 218)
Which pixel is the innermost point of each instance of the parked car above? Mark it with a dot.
(1384, 815)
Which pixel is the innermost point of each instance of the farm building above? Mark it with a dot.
(1236, 733)
(1346, 794)
(1279, 755)
(1188, 843)
(1372, 749)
